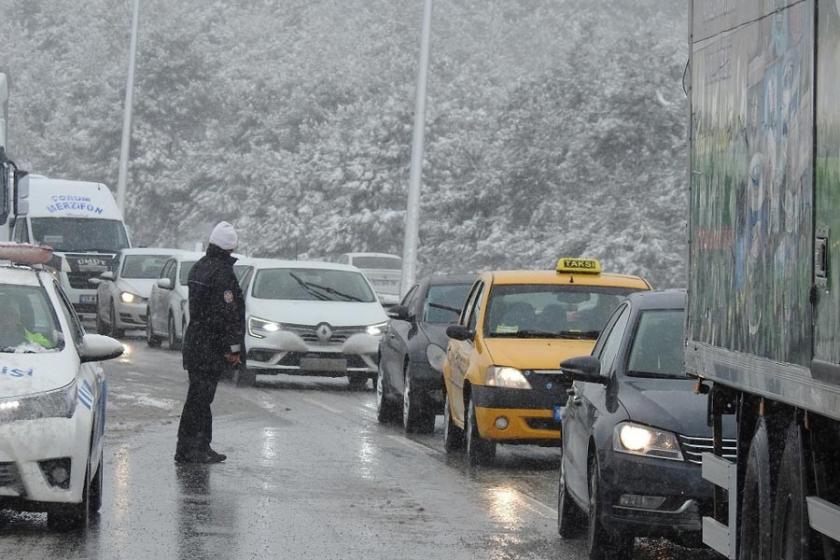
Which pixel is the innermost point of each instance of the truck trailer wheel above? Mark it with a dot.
(757, 505)
(791, 531)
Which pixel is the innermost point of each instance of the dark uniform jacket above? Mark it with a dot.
(217, 313)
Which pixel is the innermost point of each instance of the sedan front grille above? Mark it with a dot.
(694, 447)
(310, 336)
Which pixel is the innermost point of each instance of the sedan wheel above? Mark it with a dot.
(601, 544)
(570, 519)
(152, 340)
(171, 335)
(115, 332)
(386, 411)
(100, 324)
(418, 416)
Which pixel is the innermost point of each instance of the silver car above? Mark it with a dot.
(122, 293)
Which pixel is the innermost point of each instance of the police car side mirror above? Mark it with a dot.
(459, 332)
(584, 368)
(98, 348)
(164, 283)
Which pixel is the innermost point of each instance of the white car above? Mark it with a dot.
(52, 400)
(122, 294)
(311, 318)
(168, 309)
(383, 270)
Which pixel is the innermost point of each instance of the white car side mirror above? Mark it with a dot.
(98, 348)
(164, 283)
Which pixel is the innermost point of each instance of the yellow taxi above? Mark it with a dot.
(501, 373)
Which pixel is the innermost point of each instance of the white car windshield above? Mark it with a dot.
(311, 284)
(28, 323)
(143, 266)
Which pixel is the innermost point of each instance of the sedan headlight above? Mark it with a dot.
(128, 297)
(637, 439)
(60, 403)
(377, 329)
(435, 355)
(259, 328)
(507, 377)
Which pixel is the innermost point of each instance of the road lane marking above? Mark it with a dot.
(321, 405)
(537, 506)
(425, 449)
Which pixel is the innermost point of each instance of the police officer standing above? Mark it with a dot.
(212, 343)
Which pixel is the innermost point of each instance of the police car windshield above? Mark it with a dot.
(143, 266)
(444, 303)
(550, 311)
(311, 284)
(28, 323)
(657, 349)
(80, 234)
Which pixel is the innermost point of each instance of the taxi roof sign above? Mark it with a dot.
(579, 266)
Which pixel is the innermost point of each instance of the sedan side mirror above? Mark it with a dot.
(399, 312)
(164, 283)
(98, 348)
(107, 275)
(584, 368)
(458, 332)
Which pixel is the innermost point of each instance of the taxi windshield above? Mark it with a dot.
(550, 311)
(143, 266)
(28, 323)
(311, 284)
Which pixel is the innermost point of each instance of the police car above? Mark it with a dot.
(52, 395)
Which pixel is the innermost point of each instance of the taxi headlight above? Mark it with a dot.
(507, 377)
(128, 297)
(644, 440)
(60, 403)
(377, 329)
(436, 356)
(259, 328)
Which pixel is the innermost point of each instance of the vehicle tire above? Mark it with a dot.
(453, 436)
(244, 377)
(96, 486)
(357, 382)
(791, 531)
(480, 451)
(100, 324)
(418, 416)
(387, 412)
(756, 533)
(115, 332)
(171, 335)
(570, 519)
(70, 517)
(600, 544)
(152, 340)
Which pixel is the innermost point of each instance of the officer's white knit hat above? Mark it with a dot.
(224, 236)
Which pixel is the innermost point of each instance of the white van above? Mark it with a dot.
(83, 225)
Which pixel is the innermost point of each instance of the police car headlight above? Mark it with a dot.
(637, 439)
(377, 329)
(507, 377)
(259, 328)
(128, 297)
(436, 355)
(60, 403)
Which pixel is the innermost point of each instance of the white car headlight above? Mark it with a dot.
(128, 297)
(59, 403)
(507, 377)
(436, 356)
(637, 439)
(377, 329)
(259, 328)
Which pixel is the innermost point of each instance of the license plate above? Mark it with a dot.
(558, 412)
(323, 364)
(87, 299)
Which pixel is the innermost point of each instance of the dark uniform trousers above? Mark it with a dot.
(195, 432)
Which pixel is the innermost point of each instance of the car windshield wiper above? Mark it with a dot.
(584, 335)
(327, 289)
(305, 286)
(444, 307)
(654, 375)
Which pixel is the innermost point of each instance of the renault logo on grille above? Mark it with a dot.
(324, 332)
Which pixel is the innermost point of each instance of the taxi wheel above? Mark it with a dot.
(152, 340)
(387, 411)
(479, 450)
(418, 416)
(453, 436)
(602, 545)
(171, 335)
(570, 519)
(115, 332)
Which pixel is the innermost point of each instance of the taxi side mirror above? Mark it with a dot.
(584, 368)
(459, 332)
(98, 348)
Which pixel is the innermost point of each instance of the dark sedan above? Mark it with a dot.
(633, 433)
(411, 353)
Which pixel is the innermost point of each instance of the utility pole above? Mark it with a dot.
(125, 146)
(412, 215)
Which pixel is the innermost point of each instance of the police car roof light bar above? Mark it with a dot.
(25, 253)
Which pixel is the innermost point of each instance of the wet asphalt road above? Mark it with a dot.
(310, 474)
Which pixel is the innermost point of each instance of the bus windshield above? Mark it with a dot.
(80, 234)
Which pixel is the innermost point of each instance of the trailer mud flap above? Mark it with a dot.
(824, 517)
(719, 537)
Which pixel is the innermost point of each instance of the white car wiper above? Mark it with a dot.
(305, 285)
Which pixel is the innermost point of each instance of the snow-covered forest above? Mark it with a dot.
(555, 127)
